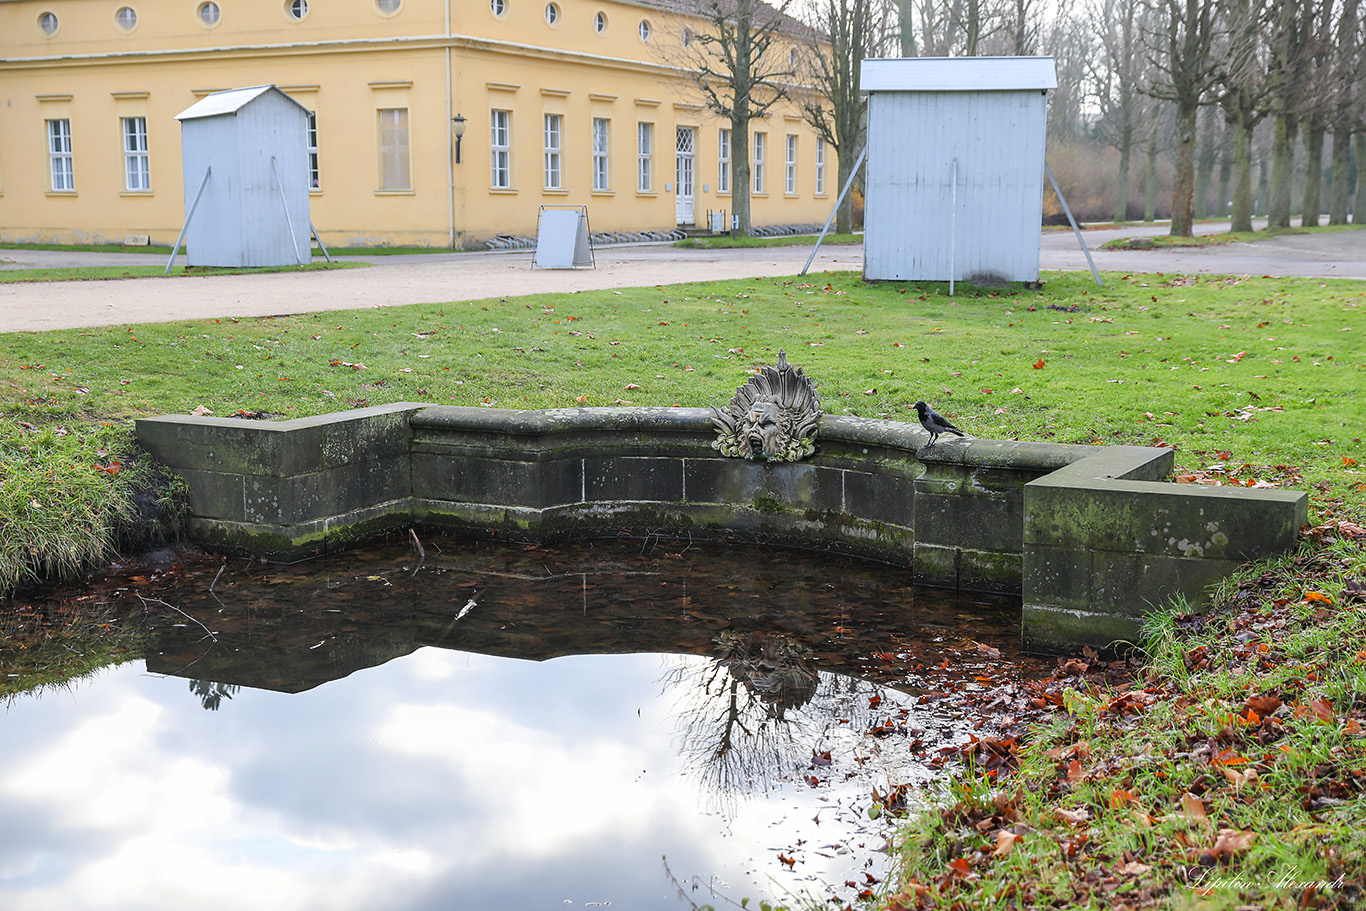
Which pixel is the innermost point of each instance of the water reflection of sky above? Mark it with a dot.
(441, 779)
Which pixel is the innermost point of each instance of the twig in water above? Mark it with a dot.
(421, 551)
(145, 602)
(215, 578)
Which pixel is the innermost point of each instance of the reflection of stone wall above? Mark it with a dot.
(1090, 536)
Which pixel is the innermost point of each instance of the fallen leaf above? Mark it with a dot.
(1038, 365)
(1005, 840)
(1232, 841)
(200, 411)
(1121, 798)
(1133, 868)
(1075, 817)
(1192, 807)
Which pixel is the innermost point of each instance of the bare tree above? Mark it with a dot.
(1317, 108)
(1185, 37)
(1291, 50)
(1348, 72)
(942, 28)
(1115, 75)
(737, 60)
(1244, 91)
(846, 32)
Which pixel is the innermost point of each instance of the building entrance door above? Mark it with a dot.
(683, 177)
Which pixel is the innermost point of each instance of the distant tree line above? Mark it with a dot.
(1188, 108)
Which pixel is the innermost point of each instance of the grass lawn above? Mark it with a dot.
(1215, 239)
(106, 273)
(1247, 759)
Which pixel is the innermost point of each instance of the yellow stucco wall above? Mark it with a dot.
(345, 62)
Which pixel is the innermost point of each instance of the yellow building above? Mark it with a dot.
(562, 102)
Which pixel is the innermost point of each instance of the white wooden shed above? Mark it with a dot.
(245, 158)
(954, 181)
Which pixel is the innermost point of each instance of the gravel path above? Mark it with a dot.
(396, 280)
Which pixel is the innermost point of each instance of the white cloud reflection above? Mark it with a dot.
(439, 780)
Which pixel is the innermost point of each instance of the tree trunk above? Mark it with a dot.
(1282, 170)
(1240, 217)
(1313, 175)
(905, 28)
(1150, 184)
(844, 215)
(1263, 187)
(739, 167)
(1183, 187)
(1359, 202)
(1204, 173)
(1122, 184)
(1342, 164)
(1226, 181)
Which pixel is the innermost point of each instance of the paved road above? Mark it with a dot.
(395, 280)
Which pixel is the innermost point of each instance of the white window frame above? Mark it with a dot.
(61, 164)
(311, 142)
(723, 160)
(790, 164)
(395, 150)
(820, 165)
(554, 145)
(137, 172)
(602, 162)
(645, 142)
(500, 142)
(757, 169)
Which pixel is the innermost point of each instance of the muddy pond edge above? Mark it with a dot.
(1091, 537)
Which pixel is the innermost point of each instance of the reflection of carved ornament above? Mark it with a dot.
(777, 669)
(772, 417)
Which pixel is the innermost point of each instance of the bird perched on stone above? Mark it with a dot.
(934, 422)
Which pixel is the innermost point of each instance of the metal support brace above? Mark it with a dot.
(843, 193)
(289, 222)
(1072, 221)
(185, 227)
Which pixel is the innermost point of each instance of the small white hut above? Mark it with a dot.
(954, 181)
(245, 156)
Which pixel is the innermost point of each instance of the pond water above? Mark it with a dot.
(639, 724)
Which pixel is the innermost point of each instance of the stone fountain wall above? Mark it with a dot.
(1091, 537)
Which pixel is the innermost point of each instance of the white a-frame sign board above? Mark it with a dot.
(562, 238)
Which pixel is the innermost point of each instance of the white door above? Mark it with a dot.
(683, 182)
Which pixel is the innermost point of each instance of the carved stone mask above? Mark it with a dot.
(772, 418)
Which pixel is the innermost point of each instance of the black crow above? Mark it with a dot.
(934, 422)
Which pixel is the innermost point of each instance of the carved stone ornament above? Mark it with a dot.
(773, 417)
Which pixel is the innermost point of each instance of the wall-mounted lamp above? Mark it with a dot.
(458, 129)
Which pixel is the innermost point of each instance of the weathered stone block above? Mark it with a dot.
(1055, 631)
(880, 498)
(623, 478)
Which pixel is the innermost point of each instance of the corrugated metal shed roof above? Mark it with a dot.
(958, 74)
(229, 102)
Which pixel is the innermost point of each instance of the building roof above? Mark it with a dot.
(229, 102)
(958, 74)
(764, 12)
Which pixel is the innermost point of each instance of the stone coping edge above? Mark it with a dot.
(1090, 531)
